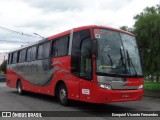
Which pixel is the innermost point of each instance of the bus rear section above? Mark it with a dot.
(94, 64)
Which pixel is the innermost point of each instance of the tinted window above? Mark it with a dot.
(60, 47)
(18, 56)
(78, 37)
(81, 54)
(33, 53)
(22, 56)
(29, 54)
(14, 60)
(46, 50)
(9, 58)
(40, 51)
(86, 63)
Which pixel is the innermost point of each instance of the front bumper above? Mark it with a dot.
(108, 96)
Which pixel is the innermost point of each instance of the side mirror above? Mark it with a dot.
(94, 47)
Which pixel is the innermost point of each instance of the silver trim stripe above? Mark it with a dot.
(70, 42)
(115, 82)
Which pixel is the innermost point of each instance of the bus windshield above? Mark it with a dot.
(117, 53)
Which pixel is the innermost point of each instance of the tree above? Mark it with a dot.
(3, 66)
(147, 31)
(128, 29)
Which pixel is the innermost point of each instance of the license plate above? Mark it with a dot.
(125, 96)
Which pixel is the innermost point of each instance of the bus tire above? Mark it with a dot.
(63, 95)
(19, 88)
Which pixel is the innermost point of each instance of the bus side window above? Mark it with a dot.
(54, 51)
(10, 58)
(18, 55)
(40, 51)
(22, 56)
(14, 60)
(60, 47)
(33, 53)
(86, 66)
(78, 65)
(46, 50)
(28, 54)
(43, 51)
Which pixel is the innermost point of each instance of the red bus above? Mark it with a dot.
(96, 64)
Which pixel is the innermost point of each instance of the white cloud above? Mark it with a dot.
(48, 17)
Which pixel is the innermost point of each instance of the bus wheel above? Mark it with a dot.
(63, 95)
(19, 88)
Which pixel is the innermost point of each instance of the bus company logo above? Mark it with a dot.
(126, 87)
(6, 114)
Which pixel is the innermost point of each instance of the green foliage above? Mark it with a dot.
(147, 31)
(152, 86)
(3, 66)
(128, 29)
(124, 28)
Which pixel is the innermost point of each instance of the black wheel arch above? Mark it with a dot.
(59, 82)
(18, 80)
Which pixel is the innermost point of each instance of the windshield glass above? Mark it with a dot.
(131, 52)
(117, 53)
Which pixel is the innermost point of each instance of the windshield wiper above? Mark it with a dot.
(122, 59)
(110, 60)
(130, 62)
(121, 56)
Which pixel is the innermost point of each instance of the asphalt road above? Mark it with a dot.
(11, 101)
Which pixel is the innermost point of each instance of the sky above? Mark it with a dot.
(49, 17)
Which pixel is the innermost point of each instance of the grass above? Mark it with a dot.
(152, 86)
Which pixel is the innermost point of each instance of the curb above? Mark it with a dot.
(152, 94)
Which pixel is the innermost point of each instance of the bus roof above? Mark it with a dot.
(68, 32)
(86, 27)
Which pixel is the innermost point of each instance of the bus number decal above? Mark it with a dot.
(86, 91)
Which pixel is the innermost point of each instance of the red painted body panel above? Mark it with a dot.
(75, 86)
(134, 81)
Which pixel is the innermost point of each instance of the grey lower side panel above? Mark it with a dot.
(116, 83)
(37, 72)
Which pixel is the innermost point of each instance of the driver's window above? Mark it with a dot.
(86, 66)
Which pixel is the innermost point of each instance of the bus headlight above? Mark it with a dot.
(105, 86)
(140, 86)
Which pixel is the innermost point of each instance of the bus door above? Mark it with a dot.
(81, 63)
(86, 82)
